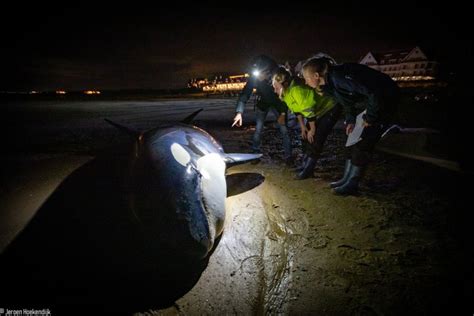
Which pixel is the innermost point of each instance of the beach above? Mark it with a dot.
(288, 247)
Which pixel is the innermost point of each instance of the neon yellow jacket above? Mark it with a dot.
(304, 100)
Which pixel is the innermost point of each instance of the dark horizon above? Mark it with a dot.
(114, 48)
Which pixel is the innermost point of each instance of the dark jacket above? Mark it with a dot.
(358, 87)
(267, 98)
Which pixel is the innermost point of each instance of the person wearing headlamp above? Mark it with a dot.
(263, 68)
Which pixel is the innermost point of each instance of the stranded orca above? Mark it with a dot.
(177, 186)
(124, 233)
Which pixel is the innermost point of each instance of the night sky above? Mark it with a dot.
(128, 46)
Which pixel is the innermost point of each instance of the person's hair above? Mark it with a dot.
(283, 76)
(319, 63)
(330, 59)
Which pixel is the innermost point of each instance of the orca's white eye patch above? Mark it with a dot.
(180, 154)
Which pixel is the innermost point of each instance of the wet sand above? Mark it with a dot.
(397, 248)
(289, 247)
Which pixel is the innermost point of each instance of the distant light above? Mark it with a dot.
(233, 83)
(256, 73)
(413, 78)
(91, 92)
(33, 92)
(60, 92)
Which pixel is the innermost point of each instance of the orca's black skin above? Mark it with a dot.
(122, 233)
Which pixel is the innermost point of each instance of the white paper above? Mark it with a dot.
(354, 137)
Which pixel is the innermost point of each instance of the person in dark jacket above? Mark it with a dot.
(268, 101)
(357, 87)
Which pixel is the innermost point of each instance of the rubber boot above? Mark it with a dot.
(308, 169)
(352, 184)
(300, 168)
(343, 180)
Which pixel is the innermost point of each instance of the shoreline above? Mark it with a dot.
(288, 247)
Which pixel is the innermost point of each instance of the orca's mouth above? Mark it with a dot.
(214, 190)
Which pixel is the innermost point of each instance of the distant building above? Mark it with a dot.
(403, 65)
(89, 92)
(220, 84)
(198, 83)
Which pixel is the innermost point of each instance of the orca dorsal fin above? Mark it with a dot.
(189, 119)
(127, 130)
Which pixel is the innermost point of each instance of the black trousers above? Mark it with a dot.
(361, 152)
(324, 125)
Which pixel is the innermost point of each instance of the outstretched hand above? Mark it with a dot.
(237, 120)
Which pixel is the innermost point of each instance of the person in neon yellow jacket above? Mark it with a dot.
(320, 113)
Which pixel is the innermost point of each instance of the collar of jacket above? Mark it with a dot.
(328, 87)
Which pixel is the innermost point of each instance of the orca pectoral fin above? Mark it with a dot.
(237, 159)
(189, 119)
